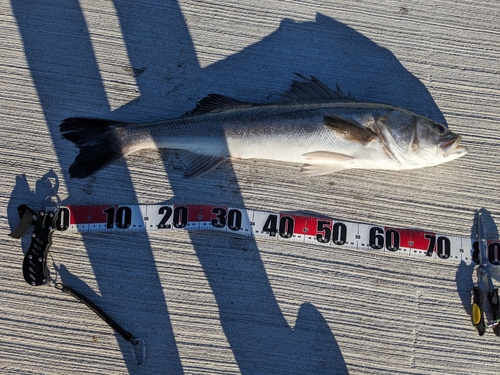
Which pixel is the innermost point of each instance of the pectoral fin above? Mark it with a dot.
(324, 162)
(197, 164)
(322, 157)
(349, 129)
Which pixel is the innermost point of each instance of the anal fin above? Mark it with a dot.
(197, 164)
(321, 169)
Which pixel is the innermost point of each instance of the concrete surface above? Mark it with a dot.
(218, 304)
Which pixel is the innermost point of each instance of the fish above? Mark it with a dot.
(322, 129)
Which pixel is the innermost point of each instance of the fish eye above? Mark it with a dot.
(440, 129)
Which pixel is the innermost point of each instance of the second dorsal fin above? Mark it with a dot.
(216, 102)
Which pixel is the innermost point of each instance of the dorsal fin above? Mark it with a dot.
(215, 102)
(314, 90)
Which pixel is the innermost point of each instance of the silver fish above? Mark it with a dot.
(314, 125)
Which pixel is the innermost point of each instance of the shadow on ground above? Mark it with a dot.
(66, 75)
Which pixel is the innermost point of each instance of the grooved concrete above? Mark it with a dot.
(208, 303)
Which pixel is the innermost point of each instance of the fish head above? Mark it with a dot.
(416, 141)
(437, 143)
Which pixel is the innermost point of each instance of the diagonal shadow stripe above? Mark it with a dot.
(67, 80)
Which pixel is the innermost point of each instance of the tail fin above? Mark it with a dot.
(98, 143)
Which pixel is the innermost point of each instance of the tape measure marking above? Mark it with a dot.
(280, 226)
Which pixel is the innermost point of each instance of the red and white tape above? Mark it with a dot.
(279, 226)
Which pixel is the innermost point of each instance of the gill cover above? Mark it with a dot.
(399, 135)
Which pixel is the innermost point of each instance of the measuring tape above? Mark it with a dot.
(278, 226)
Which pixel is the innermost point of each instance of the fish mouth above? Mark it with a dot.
(452, 147)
